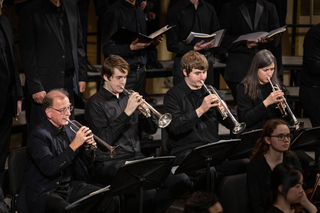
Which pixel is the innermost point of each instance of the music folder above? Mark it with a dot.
(245, 147)
(308, 138)
(139, 175)
(210, 154)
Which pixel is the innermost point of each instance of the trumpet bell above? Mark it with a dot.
(239, 128)
(164, 120)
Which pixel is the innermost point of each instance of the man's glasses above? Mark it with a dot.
(281, 136)
(64, 111)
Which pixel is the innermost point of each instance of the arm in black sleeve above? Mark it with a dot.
(149, 125)
(311, 54)
(181, 122)
(110, 25)
(249, 113)
(101, 125)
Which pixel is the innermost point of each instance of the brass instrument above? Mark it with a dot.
(225, 112)
(163, 119)
(283, 106)
(102, 145)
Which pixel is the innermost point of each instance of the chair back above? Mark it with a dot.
(16, 167)
(233, 190)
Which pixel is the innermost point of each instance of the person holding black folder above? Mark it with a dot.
(271, 149)
(196, 16)
(195, 117)
(56, 173)
(128, 15)
(112, 115)
(240, 17)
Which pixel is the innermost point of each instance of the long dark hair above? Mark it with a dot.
(283, 174)
(262, 146)
(251, 84)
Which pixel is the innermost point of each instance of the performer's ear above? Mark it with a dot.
(48, 112)
(185, 72)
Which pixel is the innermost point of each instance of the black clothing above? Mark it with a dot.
(186, 131)
(106, 118)
(44, 177)
(186, 19)
(45, 53)
(310, 75)
(253, 112)
(235, 18)
(274, 209)
(258, 183)
(131, 17)
(10, 89)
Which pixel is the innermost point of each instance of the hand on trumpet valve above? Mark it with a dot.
(274, 98)
(84, 135)
(134, 101)
(89, 143)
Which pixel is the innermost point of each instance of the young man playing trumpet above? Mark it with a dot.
(194, 112)
(113, 117)
(56, 158)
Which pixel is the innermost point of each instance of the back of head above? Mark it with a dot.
(200, 202)
(194, 60)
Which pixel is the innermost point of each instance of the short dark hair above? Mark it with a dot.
(47, 101)
(112, 62)
(200, 202)
(193, 60)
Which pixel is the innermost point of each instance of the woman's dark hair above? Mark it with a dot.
(283, 174)
(261, 146)
(251, 84)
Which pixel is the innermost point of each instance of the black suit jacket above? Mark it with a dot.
(16, 91)
(234, 17)
(42, 50)
(44, 166)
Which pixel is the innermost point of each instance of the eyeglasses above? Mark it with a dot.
(281, 136)
(64, 111)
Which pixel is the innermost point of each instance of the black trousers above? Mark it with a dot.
(35, 113)
(136, 80)
(57, 202)
(155, 200)
(310, 100)
(5, 132)
(178, 74)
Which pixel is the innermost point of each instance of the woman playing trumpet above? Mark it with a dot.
(257, 102)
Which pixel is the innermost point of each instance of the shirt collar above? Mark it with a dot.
(56, 130)
(188, 90)
(187, 3)
(54, 7)
(107, 94)
(127, 4)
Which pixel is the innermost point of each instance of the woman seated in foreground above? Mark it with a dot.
(286, 190)
(271, 149)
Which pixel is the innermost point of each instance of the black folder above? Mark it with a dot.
(308, 138)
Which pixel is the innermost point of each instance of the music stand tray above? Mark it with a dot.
(212, 153)
(245, 147)
(139, 175)
(306, 139)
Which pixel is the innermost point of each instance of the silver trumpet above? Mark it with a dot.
(284, 106)
(75, 126)
(163, 119)
(224, 111)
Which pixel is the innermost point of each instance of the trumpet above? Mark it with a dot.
(225, 112)
(75, 126)
(163, 119)
(283, 106)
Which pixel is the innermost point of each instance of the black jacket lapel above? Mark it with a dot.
(246, 15)
(259, 10)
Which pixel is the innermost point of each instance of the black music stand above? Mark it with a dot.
(140, 175)
(308, 138)
(206, 156)
(245, 147)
